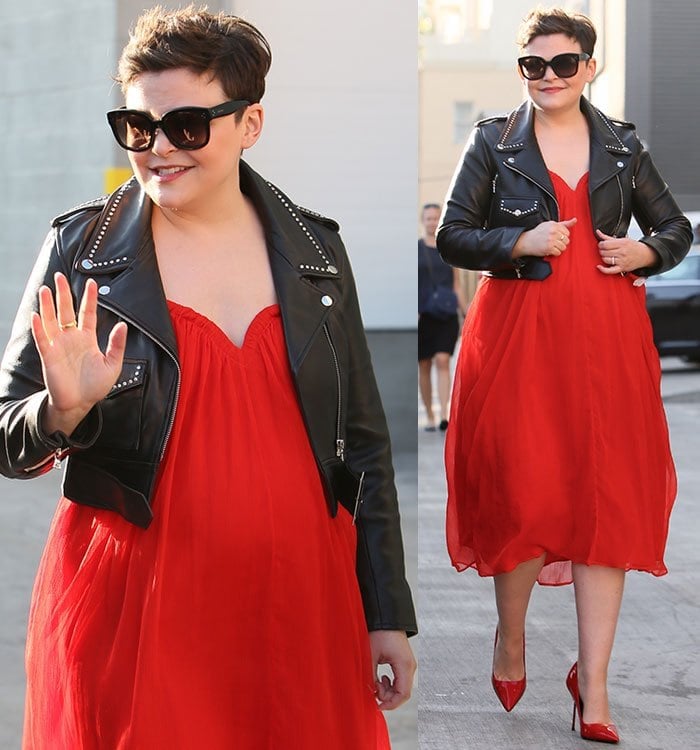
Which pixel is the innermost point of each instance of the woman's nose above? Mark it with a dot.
(161, 145)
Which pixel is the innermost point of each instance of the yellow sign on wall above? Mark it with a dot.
(115, 176)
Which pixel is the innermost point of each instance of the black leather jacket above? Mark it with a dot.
(113, 455)
(502, 188)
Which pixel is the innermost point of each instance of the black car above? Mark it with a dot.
(673, 302)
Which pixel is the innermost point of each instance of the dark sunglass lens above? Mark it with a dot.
(565, 66)
(134, 131)
(187, 129)
(532, 67)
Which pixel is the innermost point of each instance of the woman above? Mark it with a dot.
(558, 460)
(439, 296)
(229, 529)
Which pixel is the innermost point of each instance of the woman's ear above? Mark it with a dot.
(591, 67)
(252, 123)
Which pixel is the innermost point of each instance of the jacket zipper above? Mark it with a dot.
(54, 458)
(518, 266)
(339, 441)
(622, 206)
(542, 187)
(171, 421)
(358, 499)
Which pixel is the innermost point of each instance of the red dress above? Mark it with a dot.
(235, 620)
(558, 442)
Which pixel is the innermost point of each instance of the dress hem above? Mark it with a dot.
(657, 572)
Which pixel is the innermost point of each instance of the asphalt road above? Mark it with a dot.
(655, 671)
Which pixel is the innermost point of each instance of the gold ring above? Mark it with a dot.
(72, 324)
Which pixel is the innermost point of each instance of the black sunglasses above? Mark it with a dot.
(564, 66)
(186, 127)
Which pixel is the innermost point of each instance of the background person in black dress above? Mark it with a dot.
(437, 333)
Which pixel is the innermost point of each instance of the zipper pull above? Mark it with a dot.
(358, 498)
(340, 449)
(57, 459)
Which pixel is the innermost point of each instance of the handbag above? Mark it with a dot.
(442, 302)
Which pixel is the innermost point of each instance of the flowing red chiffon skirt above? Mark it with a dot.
(235, 620)
(558, 443)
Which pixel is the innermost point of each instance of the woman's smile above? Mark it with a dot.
(164, 174)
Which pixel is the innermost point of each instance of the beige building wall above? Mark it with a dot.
(442, 139)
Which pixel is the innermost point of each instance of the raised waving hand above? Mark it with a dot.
(76, 372)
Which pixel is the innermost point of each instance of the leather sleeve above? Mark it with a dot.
(25, 450)
(380, 557)
(666, 229)
(463, 237)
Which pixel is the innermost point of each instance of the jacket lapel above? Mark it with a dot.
(609, 156)
(518, 149)
(298, 259)
(121, 258)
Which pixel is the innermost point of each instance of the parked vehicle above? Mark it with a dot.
(673, 302)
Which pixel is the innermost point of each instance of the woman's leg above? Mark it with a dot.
(512, 597)
(598, 598)
(426, 387)
(442, 363)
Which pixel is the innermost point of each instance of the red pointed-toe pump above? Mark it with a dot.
(595, 732)
(509, 692)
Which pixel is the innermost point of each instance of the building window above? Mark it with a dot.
(463, 121)
(453, 20)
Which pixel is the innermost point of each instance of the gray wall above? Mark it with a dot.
(55, 60)
(342, 133)
(340, 136)
(663, 89)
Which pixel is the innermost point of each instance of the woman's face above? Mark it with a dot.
(187, 180)
(551, 93)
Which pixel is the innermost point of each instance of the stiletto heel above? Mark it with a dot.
(595, 732)
(509, 692)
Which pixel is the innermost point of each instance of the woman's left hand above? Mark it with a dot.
(391, 647)
(622, 254)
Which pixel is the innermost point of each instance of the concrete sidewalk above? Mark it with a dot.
(655, 671)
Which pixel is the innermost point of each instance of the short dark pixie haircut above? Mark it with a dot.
(229, 49)
(546, 21)
(426, 206)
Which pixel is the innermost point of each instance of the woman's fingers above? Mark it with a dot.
(613, 253)
(559, 236)
(65, 312)
(40, 338)
(87, 314)
(48, 313)
(116, 346)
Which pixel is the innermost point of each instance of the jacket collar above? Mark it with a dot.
(608, 156)
(298, 259)
(125, 223)
(119, 254)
